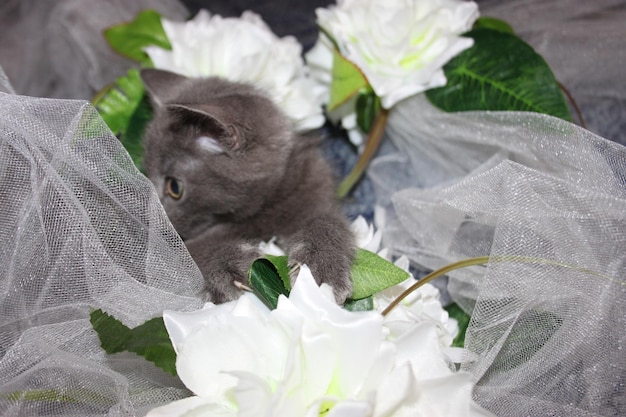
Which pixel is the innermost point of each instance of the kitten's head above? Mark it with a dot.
(215, 150)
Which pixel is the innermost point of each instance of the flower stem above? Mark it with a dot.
(481, 260)
(435, 274)
(373, 142)
(574, 105)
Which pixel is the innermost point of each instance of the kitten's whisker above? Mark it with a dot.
(242, 286)
(294, 269)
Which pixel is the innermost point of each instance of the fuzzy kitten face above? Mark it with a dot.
(215, 150)
(230, 172)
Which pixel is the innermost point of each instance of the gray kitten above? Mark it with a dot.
(231, 172)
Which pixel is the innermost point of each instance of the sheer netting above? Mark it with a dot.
(80, 228)
(546, 200)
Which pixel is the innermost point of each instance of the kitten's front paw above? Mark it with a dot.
(327, 267)
(228, 290)
(224, 268)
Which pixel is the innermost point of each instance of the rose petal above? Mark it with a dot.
(356, 336)
(350, 409)
(398, 388)
(241, 338)
(180, 325)
(420, 347)
(253, 394)
(195, 405)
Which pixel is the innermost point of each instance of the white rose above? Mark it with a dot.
(310, 357)
(400, 46)
(244, 50)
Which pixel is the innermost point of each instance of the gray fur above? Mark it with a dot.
(249, 178)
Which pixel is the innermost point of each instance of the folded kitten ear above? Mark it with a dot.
(215, 136)
(161, 85)
(209, 144)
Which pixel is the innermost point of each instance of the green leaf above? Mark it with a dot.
(367, 108)
(372, 274)
(129, 39)
(463, 319)
(500, 72)
(132, 138)
(266, 281)
(152, 341)
(149, 340)
(346, 82)
(281, 264)
(364, 304)
(117, 102)
(113, 333)
(526, 336)
(493, 23)
(125, 108)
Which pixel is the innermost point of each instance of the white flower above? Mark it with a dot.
(421, 305)
(271, 248)
(366, 237)
(244, 50)
(400, 46)
(310, 357)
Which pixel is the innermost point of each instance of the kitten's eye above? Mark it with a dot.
(174, 188)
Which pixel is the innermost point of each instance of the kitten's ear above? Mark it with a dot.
(161, 85)
(215, 135)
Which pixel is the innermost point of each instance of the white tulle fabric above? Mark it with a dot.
(547, 201)
(80, 228)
